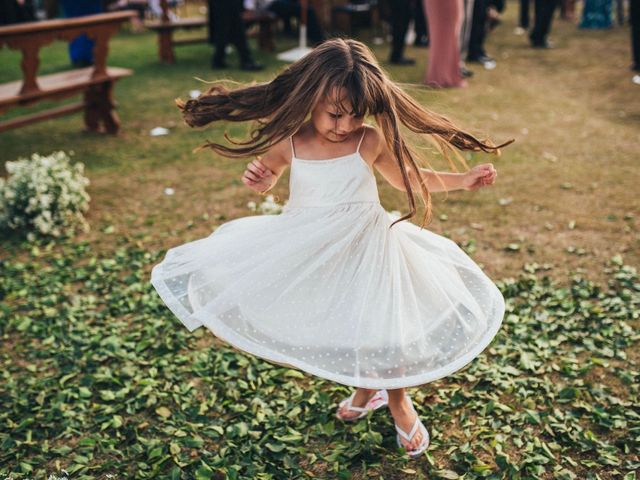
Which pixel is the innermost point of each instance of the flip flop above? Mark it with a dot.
(408, 436)
(379, 400)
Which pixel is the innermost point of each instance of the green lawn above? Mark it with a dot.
(100, 379)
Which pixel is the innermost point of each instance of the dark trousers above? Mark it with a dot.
(478, 30)
(11, 12)
(285, 9)
(543, 16)
(634, 16)
(524, 14)
(226, 26)
(400, 17)
(420, 21)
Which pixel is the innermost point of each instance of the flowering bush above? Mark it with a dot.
(269, 206)
(44, 196)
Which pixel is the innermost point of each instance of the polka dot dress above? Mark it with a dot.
(326, 287)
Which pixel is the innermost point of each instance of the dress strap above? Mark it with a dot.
(293, 150)
(364, 130)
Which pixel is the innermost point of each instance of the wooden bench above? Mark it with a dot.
(166, 26)
(96, 82)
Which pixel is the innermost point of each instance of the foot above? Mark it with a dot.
(545, 44)
(465, 72)
(405, 417)
(361, 398)
(403, 61)
(421, 42)
(483, 58)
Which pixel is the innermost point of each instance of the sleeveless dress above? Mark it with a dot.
(327, 288)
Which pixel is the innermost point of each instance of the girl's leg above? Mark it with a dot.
(403, 415)
(362, 396)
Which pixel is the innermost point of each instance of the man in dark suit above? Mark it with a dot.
(400, 15)
(543, 16)
(226, 26)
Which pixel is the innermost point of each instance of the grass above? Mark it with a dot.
(569, 204)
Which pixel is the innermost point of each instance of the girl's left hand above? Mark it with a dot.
(479, 176)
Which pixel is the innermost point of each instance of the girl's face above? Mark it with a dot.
(335, 123)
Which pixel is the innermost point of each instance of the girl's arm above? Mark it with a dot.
(263, 173)
(478, 176)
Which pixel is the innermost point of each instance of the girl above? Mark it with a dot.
(333, 286)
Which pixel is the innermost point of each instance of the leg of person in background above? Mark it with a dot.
(620, 12)
(218, 31)
(634, 17)
(285, 9)
(228, 27)
(420, 25)
(478, 35)
(444, 19)
(465, 34)
(596, 14)
(523, 18)
(400, 17)
(238, 37)
(14, 12)
(543, 16)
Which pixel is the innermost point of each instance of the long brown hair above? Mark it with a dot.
(282, 105)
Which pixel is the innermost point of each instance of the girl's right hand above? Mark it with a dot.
(258, 177)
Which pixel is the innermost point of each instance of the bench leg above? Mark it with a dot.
(165, 45)
(100, 109)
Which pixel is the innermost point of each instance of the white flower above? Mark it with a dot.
(44, 194)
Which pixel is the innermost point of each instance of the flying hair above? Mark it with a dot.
(281, 106)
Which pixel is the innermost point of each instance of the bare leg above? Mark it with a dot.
(403, 415)
(362, 396)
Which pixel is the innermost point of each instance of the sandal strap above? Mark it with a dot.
(376, 401)
(351, 407)
(416, 423)
(409, 436)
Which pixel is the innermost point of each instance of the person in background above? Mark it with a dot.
(420, 25)
(465, 34)
(81, 48)
(285, 10)
(596, 14)
(226, 26)
(137, 22)
(16, 11)
(523, 18)
(445, 20)
(634, 17)
(543, 16)
(479, 30)
(400, 17)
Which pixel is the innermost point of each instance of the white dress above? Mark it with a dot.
(326, 287)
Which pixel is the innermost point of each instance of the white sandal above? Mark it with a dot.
(380, 399)
(408, 436)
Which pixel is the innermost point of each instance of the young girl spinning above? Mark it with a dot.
(335, 285)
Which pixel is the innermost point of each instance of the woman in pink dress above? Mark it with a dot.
(444, 18)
